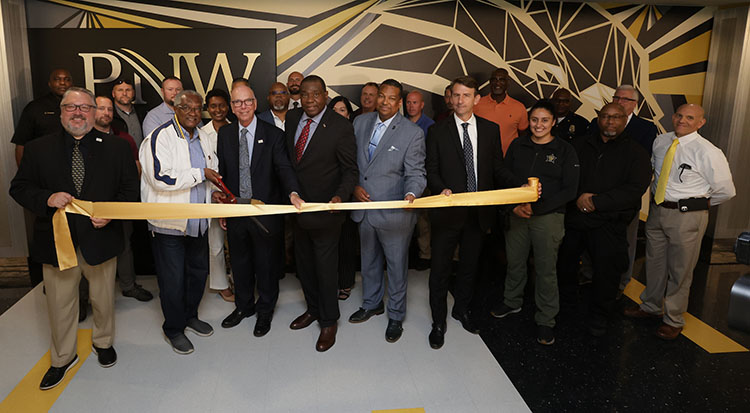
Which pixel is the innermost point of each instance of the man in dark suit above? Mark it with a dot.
(254, 163)
(82, 163)
(464, 154)
(322, 150)
(643, 132)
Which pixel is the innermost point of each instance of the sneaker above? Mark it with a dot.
(139, 293)
(180, 344)
(55, 375)
(199, 327)
(503, 310)
(545, 335)
(107, 356)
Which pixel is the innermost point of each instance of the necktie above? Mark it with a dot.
(246, 185)
(299, 147)
(78, 169)
(295, 104)
(376, 135)
(471, 179)
(666, 167)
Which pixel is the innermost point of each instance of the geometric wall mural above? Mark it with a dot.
(588, 48)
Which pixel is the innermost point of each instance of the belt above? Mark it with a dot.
(669, 205)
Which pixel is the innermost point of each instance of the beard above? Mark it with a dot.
(294, 90)
(609, 134)
(279, 107)
(77, 130)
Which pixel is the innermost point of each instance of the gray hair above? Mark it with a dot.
(181, 95)
(76, 89)
(629, 88)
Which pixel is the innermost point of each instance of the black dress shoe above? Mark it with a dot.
(437, 336)
(107, 356)
(262, 325)
(394, 330)
(139, 293)
(55, 375)
(466, 322)
(236, 317)
(362, 315)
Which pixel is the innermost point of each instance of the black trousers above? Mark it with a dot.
(181, 271)
(348, 242)
(255, 258)
(608, 247)
(317, 255)
(443, 244)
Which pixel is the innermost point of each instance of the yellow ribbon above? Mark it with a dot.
(66, 255)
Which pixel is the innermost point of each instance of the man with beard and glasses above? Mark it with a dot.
(278, 99)
(293, 83)
(163, 113)
(502, 109)
(76, 163)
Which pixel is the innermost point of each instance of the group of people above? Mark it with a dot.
(309, 148)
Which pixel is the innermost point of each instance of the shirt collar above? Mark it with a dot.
(472, 120)
(185, 133)
(250, 127)
(315, 119)
(386, 122)
(687, 138)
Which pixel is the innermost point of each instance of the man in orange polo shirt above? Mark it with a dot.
(502, 109)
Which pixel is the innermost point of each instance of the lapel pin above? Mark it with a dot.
(324, 125)
(260, 140)
(98, 139)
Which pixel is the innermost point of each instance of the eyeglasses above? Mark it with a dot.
(279, 92)
(69, 107)
(188, 109)
(247, 102)
(616, 98)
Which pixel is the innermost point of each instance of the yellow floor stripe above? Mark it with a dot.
(27, 397)
(414, 410)
(696, 330)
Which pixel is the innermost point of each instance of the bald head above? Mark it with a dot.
(414, 104)
(243, 104)
(612, 120)
(688, 119)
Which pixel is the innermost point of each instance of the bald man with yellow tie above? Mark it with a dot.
(690, 175)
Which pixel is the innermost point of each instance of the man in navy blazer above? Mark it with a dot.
(390, 156)
(278, 100)
(253, 162)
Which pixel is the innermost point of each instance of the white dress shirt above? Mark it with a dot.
(472, 137)
(699, 169)
(277, 121)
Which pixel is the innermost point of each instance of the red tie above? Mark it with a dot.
(299, 147)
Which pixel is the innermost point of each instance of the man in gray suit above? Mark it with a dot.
(390, 156)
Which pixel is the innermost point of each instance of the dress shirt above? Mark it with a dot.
(291, 103)
(278, 122)
(250, 137)
(699, 169)
(472, 137)
(134, 124)
(313, 126)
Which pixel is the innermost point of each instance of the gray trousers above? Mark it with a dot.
(673, 242)
(389, 247)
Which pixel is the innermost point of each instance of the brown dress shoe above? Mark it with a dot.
(667, 332)
(302, 321)
(327, 338)
(635, 311)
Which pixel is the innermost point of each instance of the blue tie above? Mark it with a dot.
(471, 179)
(376, 135)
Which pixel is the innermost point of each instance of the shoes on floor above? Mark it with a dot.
(139, 293)
(667, 332)
(55, 375)
(503, 310)
(302, 321)
(437, 336)
(344, 293)
(635, 311)
(362, 315)
(327, 338)
(180, 344)
(199, 327)
(262, 325)
(227, 295)
(466, 322)
(394, 330)
(235, 317)
(545, 335)
(107, 356)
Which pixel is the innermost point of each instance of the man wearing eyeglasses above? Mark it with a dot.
(76, 162)
(278, 99)
(615, 171)
(644, 132)
(127, 117)
(178, 163)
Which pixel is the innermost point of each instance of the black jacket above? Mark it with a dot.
(617, 172)
(554, 163)
(119, 123)
(573, 126)
(638, 129)
(39, 118)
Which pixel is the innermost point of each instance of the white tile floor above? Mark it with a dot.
(232, 371)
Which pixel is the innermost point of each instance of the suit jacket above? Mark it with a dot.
(638, 129)
(266, 116)
(46, 168)
(396, 168)
(271, 172)
(327, 168)
(446, 168)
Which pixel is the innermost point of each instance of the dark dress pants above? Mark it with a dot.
(607, 246)
(317, 254)
(255, 258)
(347, 253)
(181, 271)
(443, 245)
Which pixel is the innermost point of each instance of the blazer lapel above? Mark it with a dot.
(387, 137)
(453, 133)
(364, 141)
(94, 143)
(258, 146)
(312, 141)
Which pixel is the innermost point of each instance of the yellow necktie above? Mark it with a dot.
(666, 167)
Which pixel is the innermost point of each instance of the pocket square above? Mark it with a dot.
(392, 148)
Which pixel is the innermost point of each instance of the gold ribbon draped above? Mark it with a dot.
(66, 255)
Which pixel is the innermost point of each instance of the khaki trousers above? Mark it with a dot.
(673, 242)
(62, 305)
